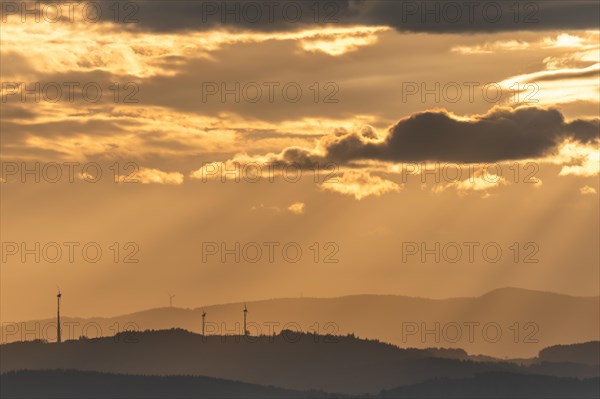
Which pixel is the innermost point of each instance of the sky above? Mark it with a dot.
(237, 151)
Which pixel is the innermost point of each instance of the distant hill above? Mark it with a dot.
(289, 360)
(585, 353)
(85, 384)
(500, 385)
(505, 323)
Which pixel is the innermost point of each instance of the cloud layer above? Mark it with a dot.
(413, 16)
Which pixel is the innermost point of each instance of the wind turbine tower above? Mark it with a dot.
(203, 320)
(58, 337)
(245, 314)
(171, 296)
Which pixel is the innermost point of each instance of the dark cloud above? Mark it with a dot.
(415, 16)
(502, 134)
(482, 16)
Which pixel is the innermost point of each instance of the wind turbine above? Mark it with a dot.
(171, 296)
(58, 298)
(245, 314)
(203, 320)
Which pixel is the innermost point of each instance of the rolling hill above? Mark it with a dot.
(297, 361)
(505, 323)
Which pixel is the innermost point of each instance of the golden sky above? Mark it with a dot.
(362, 106)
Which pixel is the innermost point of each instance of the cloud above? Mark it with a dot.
(586, 190)
(554, 86)
(414, 16)
(338, 43)
(502, 134)
(264, 207)
(578, 160)
(154, 176)
(570, 74)
(148, 54)
(588, 41)
(360, 184)
(297, 208)
(477, 183)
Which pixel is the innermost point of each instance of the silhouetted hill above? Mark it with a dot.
(500, 385)
(585, 353)
(290, 360)
(526, 321)
(86, 384)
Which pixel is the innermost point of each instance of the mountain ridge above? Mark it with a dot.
(199, 308)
